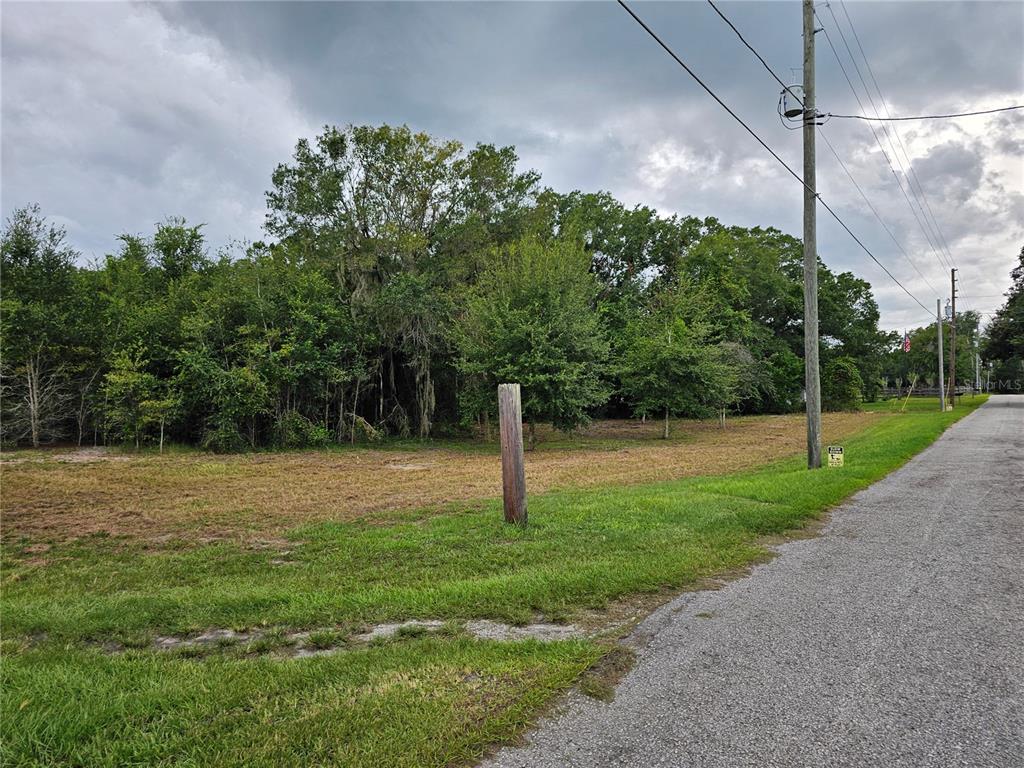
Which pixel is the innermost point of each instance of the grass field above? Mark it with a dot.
(251, 496)
(84, 685)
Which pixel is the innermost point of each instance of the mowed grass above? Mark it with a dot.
(414, 701)
(424, 702)
(63, 495)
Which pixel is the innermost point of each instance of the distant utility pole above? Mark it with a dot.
(977, 366)
(942, 384)
(812, 380)
(952, 343)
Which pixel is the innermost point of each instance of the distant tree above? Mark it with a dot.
(1003, 345)
(365, 313)
(127, 387)
(37, 327)
(841, 386)
(368, 202)
(746, 381)
(849, 322)
(160, 410)
(532, 319)
(178, 247)
(667, 366)
(785, 372)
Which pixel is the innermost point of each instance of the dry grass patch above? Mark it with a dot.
(255, 496)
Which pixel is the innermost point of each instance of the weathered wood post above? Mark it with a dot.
(513, 476)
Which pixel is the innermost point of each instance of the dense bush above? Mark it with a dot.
(842, 388)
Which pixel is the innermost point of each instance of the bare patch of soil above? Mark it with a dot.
(64, 455)
(320, 642)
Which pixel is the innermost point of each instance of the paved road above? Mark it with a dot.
(896, 638)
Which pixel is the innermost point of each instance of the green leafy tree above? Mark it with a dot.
(179, 248)
(368, 202)
(1003, 346)
(127, 387)
(841, 386)
(531, 319)
(667, 365)
(38, 328)
(366, 312)
(785, 372)
(746, 381)
(161, 411)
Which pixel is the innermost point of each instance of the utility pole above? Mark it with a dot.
(812, 380)
(942, 384)
(977, 364)
(952, 343)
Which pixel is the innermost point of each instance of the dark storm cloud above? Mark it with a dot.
(115, 116)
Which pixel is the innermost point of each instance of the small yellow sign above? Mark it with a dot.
(835, 455)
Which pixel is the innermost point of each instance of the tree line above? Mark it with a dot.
(401, 279)
(1000, 347)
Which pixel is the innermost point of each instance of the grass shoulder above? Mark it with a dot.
(419, 700)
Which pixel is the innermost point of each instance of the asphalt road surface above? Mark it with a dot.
(895, 638)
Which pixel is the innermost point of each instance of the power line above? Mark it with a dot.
(913, 172)
(928, 117)
(788, 87)
(754, 51)
(924, 229)
(827, 142)
(760, 141)
(875, 212)
(888, 130)
(874, 107)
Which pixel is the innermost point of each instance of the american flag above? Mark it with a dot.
(906, 342)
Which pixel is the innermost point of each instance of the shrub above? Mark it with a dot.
(296, 431)
(842, 388)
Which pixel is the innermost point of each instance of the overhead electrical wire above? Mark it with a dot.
(788, 89)
(913, 172)
(754, 51)
(875, 212)
(827, 142)
(887, 130)
(937, 252)
(771, 151)
(928, 117)
(888, 118)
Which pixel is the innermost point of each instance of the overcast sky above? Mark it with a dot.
(115, 116)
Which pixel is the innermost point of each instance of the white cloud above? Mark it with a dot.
(113, 119)
(115, 116)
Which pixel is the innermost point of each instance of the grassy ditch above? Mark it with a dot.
(412, 700)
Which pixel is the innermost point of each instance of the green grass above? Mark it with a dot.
(919, 404)
(582, 549)
(384, 706)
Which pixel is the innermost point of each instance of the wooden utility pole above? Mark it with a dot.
(812, 380)
(513, 474)
(938, 325)
(952, 342)
(977, 363)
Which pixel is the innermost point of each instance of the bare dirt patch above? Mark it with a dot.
(287, 643)
(256, 497)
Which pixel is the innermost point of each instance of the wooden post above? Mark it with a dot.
(513, 475)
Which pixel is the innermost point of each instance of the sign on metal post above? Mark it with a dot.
(835, 455)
